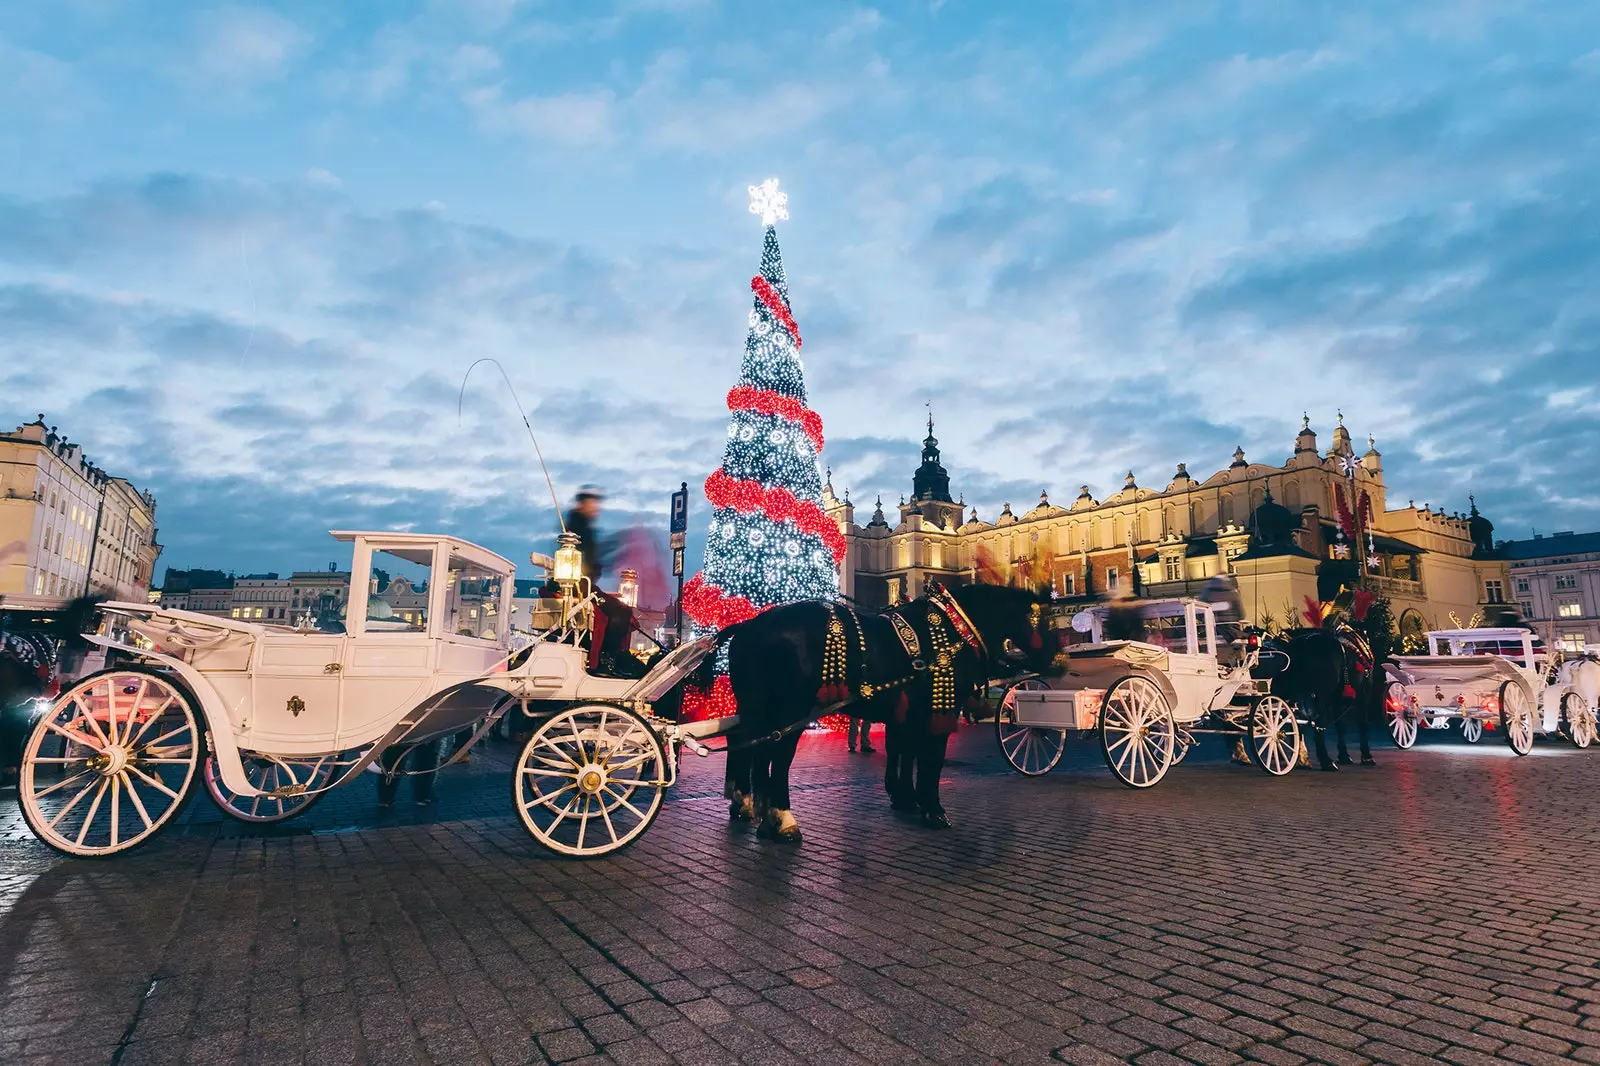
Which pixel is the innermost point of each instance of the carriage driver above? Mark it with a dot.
(614, 619)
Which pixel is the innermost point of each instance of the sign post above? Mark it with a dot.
(678, 529)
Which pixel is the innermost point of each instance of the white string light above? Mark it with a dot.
(768, 202)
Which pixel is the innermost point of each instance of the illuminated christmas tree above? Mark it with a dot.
(769, 541)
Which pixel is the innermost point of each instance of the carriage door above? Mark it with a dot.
(1193, 669)
(388, 662)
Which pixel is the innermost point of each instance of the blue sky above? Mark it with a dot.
(247, 252)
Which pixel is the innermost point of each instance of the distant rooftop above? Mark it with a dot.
(1542, 547)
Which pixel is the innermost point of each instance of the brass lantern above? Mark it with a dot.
(569, 561)
(628, 588)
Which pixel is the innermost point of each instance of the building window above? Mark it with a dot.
(1570, 609)
(1069, 584)
(1522, 585)
(1566, 581)
(1527, 608)
(1112, 583)
(1572, 642)
(1174, 568)
(1494, 592)
(236, 612)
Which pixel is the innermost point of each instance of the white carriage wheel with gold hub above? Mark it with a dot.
(1402, 717)
(590, 780)
(1580, 719)
(1029, 749)
(1516, 715)
(291, 783)
(1274, 735)
(1137, 732)
(113, 761)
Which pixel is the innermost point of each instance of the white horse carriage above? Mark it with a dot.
(1148, 698)
(1492, 677)
(272, 717)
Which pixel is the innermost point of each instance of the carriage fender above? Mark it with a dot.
(208, 705)
(1156, 678)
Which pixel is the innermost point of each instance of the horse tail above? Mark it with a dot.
(706, 671)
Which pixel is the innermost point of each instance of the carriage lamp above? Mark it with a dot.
(569, 561)
(628, 588)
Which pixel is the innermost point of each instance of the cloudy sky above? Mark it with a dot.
(248, 252)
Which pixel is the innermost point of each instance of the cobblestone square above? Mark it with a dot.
(1441, 907)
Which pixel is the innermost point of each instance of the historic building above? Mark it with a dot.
(261, 598)
(1555, 581)
(67, 528)
(1274, 527)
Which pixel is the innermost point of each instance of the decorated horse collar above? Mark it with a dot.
(940, 599)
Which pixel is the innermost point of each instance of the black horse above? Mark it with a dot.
(34, 655)
(1330, 672)
(776, 669)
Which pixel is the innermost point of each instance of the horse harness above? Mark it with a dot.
(949, 631)
(34, 651)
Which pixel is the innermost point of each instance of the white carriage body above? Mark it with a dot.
(1466, 671)
(1180, 656)
(278, 690)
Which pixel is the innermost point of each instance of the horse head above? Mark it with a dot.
(1013, 624)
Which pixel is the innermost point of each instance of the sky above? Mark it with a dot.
(248, 252)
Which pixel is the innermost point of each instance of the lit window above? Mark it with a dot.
(1570, 609)
(236, 612)
(1573, 642)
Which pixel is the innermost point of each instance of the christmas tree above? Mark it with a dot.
(769, 541)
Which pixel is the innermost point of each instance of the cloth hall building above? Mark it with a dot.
(1273, 527)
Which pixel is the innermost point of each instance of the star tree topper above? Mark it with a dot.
(768, 202)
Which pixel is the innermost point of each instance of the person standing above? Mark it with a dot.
(420, 763)
(860, 730)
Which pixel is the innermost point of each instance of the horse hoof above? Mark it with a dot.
(1329, 767)
(1369, 761)
(1345, 760)
(939, 820)
(781, 826)
(900, 803)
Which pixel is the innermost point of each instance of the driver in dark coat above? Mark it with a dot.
(581, 522)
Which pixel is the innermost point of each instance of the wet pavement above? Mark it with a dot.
(1442, 907)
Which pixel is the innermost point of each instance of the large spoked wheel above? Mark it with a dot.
(1471, 730)
(1516, 715)
(1580, 719)
(590, 780)
(113, 761)
(1137, 732)
(1029, 750)
(296, 780)
(1274, 736)
(1403, 720)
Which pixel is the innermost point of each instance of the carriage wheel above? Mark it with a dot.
(112, 762)
(590, 780)
(1516, 715)
(1471, 730)
(272, 773)
(1028, 749)
(1580, 719)
(1137, 732)
(1183, 742)
(1274, 735)
(1402, 716)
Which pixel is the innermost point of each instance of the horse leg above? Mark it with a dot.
(930, 764)
(899, 767)
(1339, 729)
(778, 822)
(1326, 702)
(1364, 724)
(736, 787)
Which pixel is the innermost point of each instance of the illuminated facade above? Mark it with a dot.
(1272, 526)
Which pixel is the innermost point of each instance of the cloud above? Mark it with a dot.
(242, 46)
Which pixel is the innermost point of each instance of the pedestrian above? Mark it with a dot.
(860, 729)
(419, 762)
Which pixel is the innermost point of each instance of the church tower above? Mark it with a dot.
(930, 488)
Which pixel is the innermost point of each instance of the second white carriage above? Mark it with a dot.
(1147, 699)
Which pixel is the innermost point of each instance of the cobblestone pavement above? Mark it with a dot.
(1442, 907)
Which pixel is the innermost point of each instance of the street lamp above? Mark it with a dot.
(628, 588)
